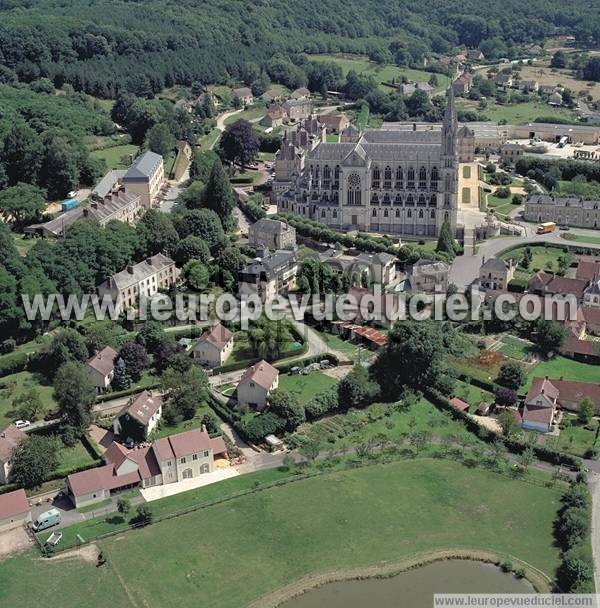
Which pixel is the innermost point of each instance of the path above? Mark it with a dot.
(221, 118)
(594, 487)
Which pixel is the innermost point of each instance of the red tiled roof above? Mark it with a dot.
(580, 347)
(218, 446)
(146, 461)
(142, 407)
(591, 315)
(115, 454)
(13, 503)
(100, 478)
(10, 438)
(218, 336)
(459, 404)
(262, 373)
(576, 391)
(103, 361)
(588, 269)
(182, 444)
(541, 386)
(538, 414)
(163, 449)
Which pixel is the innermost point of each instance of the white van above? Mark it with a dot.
(46, 520)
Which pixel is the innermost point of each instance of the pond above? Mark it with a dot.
(414, 588)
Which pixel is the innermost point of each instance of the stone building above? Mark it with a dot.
(392, 181)
(272, 234)
(570, 211)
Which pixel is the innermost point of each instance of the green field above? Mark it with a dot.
(544, 258)
(75, 456)
(580, 238)
(518, 113)
(306, 387)
(336, 343)
(256, 111)
(516, 349)
(15, 385)
(567, 368)
(231, 554)
(576, 438)
(472, 394)
(117, 157)
(381, 73)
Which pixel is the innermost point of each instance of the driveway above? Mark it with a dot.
(175, 189)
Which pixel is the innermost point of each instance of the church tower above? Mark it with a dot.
(449, 160)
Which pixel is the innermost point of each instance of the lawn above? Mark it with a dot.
(502, 206)
(268, 539)
(75, 456)
(472, 394)
(332, 138)
(544, 258)
(381, 73)
(306, 387)
(518, 113)
(15, 385)
(574, 437)
(185, 425)
(208, 141)
(252, 113)
(581, 238)
(349, 349)
(570, 369)
(516, 349)
(117, 157)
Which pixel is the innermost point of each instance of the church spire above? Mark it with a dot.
(450, 113)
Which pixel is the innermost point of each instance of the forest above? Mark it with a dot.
(106, 46)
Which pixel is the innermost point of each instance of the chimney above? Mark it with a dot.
(149, 261)
(130, 269)
(414, 126)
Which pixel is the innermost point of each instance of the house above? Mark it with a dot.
(274, 117)
(511, 152)
(334, 123)
(571, 394)
(269, 274)
(214, 346)
(118, 205)
(539, 407)
(475, 55)
(562, 210)
(111, 182)
(591, 294)
(408, 88)
(272, 95)
(543, 283)
(529, 86)
(300, 93)
(381, 267)
(10, 438)
(427, 276)
(139, 417)
(504, 80)
(244, 95)
(146, 177)
(143, 279)
(462, 85)
(256, 384)
(272, 234)
(496, 273)
(592, 320)
(298, 109)
(168, 460)
(458, 404)
(588, 268)
(15, 511)
(100, 368)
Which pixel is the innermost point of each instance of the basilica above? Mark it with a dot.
(398, 181)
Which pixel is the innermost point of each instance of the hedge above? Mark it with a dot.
(13, 363)
(125, 393)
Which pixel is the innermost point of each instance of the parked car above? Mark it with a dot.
(72, 194)
(46, 520)
(565, 228)
(21, 424)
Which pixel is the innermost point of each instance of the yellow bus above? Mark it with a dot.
(546, 227)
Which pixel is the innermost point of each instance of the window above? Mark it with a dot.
(335, 213)
(397, 212)
(385, 213)
(354, 193)
(387, 178)
(409, 213)
(433, 201)
(410, 178)
(420, 214)
(205, 453)
(182, 460)
(434, 178)
(194, 456)
(432, 214)
(376, 178)
(374, 213)
(399, 178)
(422, 178)
(323, 213)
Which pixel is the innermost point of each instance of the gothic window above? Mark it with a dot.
(422, 178)
(433, 201)
(385, 213)
(374, 213)
(446, 217)
(397, 212)
(336, 177)
(435, 176)
(374, 199)
(420, 214)
(376, 178)
(410, 200)
(399, 178)
(398, 200)
(387, 178)
(432, 214)
(386, 199)
(447, 183)
(421, 202)
(335, 213)
(323, 213)
(326, 176)
(317, 172)
(354, 193)
(410, 179)
(409, 213)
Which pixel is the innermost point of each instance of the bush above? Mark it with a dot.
(322, 404)
(506, 566)
(7, 346)
(13, 363)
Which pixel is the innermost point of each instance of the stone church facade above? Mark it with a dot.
(397, 182)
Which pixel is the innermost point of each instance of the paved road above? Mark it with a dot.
(465, 269)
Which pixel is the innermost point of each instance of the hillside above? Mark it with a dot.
(105, 45)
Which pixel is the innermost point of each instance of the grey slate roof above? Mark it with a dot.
(494, 264)
(139, 272)
(143, 166)
(108, 182)
(271, 226)
(544, 199)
